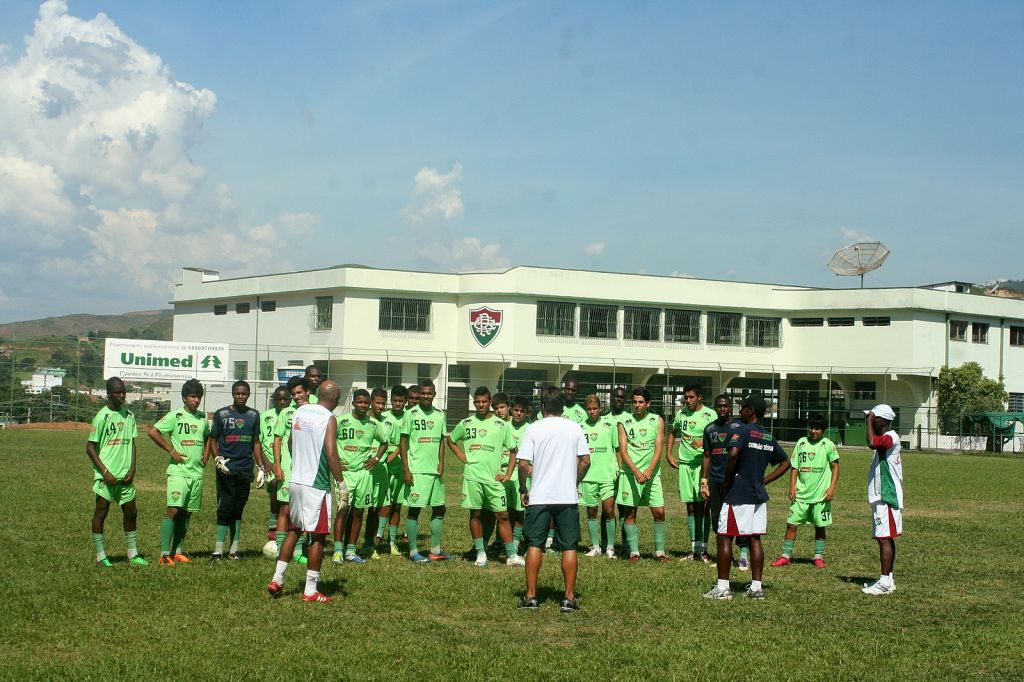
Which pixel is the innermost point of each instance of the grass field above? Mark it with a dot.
(958, 612)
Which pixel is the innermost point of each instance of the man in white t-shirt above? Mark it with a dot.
(558, 452)
(885, 493)
(314, 450)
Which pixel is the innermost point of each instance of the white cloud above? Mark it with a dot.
(595, 249)
(850, 235)
(435, 196)
(97, 183)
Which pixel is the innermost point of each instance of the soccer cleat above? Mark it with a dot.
(104, 563)
(634, 558)
(375, 555)
(530, 603)
(819, 562)
(782, 561)
(275, 589)
(594, 551)
(662, 557)
(215, 557)
(751, 593)
(317, 598)
(687, 557)
(481, 559)
(419, 558)
(877, 589)
(395, 551)
(338, 558)
(439, 556)
(354, 558)
(706, 558)
(138, 560)
(182, 558)
(166, 560)
(744, 564)
(515, 560)
(570, 605)
(717, 592)
(235, 556)
(610, 553)
(892, 585)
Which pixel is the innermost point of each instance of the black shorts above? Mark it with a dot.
(232, 494)
(566, 518)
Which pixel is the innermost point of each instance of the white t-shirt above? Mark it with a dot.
(309, 459)
(553, 445)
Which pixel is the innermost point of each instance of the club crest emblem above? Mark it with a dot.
(485, 324)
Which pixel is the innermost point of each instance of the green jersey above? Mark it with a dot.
(425, 430)
(603, 439)
(312, 400)
(812, 462)
(483, 441)
(283, 428)
(114, 433)
(188, 432)
(268, 424)
(641, 440)
(688, 427)
(575, 412)
(623, 417)
(394, 423)
(358, 439)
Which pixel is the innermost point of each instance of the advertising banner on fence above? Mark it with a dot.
(159, 361)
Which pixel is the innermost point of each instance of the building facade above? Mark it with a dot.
(835, 351)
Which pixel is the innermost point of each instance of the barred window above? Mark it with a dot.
(957, 330)
(242, 308)
(840, 321)
(268, 306)
(1016, 403)
(383, 374)
(642, 324)
(682, 326)
(323, 313)
(266, 370)
(556, 318)
(404, 315)
(763, 332)
(1017, 336)
(424, 371)
(864, 390)
(458, 373)
(724, 328)
(807, 321)
(220, 309)
(241, 369)
(979, 332)
(876, 321)
(598, 321)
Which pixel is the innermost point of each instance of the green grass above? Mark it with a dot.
(957, 613)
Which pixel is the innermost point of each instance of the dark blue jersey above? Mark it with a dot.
(758, 449)
(236, 432)
(716, 445)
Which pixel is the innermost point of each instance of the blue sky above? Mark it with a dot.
(720, 140)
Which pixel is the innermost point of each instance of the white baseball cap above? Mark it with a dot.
(882, 410)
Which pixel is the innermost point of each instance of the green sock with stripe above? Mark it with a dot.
(411, 529)
(609, 531)
(393, 534)
(130, 540)
(222, 534)
(382, 523)
(659, 537)
(595, 532)
(631, 538)
(787, 548)
(691, 525)
(819, 548)
(517, 535)
(97, 541)
(436, 527)
(478, 544)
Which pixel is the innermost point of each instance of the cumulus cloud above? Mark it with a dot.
(98, 189)
(435, 196)
(595, 249)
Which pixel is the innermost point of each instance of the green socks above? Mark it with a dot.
(222, 534)
(436, 526)
(819, 548)
(271, 522)
(339, 546)
(411, 529)
(595, 532)
(659, 537)
(167, 527)
(393, 534)
(130, 540)
(609, 531)
(97, 541)
(350, 549)
(744, 552)
(691, 524)
(517, 535)
(279, 538)
(631, 538)
(787, 548)
(236, 532)
(510, 549)
(382, 523)
(478, 544)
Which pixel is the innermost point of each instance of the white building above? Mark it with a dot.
(43, 379)
(837, 351)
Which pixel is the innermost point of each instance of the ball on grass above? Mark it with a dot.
(270, 550)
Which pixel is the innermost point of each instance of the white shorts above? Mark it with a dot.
(743, 520)
(310, 509)
(888, 521)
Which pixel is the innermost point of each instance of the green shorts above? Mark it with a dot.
(633, 494)
(592, 494)
(515, 500)
(818, 513)
(427, 490)
(120, 493)
(283, 496)
(480, 495)
(186, 493)
(689, 482)
(360, 488)
(380, 495)
(398, 491)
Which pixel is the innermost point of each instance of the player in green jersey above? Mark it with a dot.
(516, 511)
(422, 453)
(502, 408)
(597, 490)
(362, 442)
(298, 389)
(279, 401)
(640, 448)
(688, 428)
(187, 429)
(618, 413)
(812, 485)
(111, 448)
(373, 535)
(393, 419)
(573, 410)
(478, 442)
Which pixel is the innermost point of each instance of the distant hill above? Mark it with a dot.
(145, 324)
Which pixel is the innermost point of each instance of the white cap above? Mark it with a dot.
(882, 410)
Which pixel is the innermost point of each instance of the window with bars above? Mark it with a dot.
(957, 330)
(323, 313)
(458, 373)
(807, 321)
(876, 321)
(268, 306)
(641, 324)
(1016, 403)
(404, 315)
(383, 374)
(265, 370)
(241, 369)
(1017, 336)
(556, 318)
(864, 390)
(424, 371)
(242, 308)
(598, 321)
(979, 332)
(682, 326)
(220, 309)
(724, 328)
(840, 321)
(764, 332)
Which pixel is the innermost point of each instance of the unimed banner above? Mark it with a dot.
(165, 360)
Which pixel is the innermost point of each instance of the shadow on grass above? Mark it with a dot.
(858, 580)
(333, 588)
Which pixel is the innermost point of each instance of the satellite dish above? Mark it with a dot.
(858, 258)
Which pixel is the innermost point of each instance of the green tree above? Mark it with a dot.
(966, 390)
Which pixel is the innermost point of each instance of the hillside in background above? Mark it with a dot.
(145, 324)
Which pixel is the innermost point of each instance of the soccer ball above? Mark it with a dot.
(270, 549)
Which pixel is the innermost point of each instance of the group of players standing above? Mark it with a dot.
(390, 457)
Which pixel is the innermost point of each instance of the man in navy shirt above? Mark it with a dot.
(716, 453)
(745, 511)
(235, 446)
